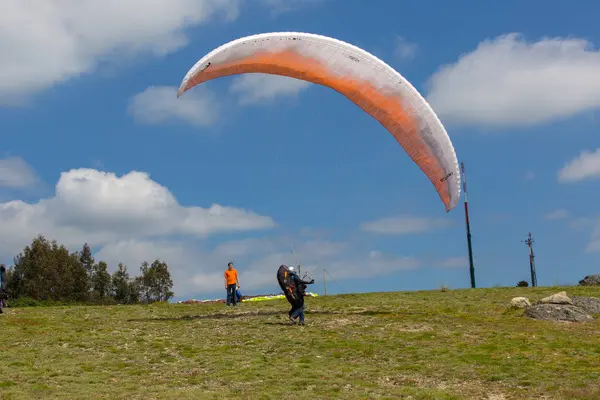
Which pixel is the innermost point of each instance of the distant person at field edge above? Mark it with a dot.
(3, 284)
(231, 284)
(298, 308)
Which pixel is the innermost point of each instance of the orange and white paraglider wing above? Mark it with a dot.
(367, 81)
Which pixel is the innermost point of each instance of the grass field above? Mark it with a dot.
(462, 344)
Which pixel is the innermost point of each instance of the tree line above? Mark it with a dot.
(48, 272)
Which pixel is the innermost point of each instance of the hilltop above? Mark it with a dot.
(459, 344)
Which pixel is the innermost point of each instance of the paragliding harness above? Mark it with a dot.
(287, 284)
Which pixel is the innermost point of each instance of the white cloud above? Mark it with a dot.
(66, 39)
(591, 225)
(258, 88)
(529, 176)
(100, 207)
(405, 50)
(183, 259)
(283, 6)
(16, 173)
(586, 166)
(453, 262)
(582, 223)
(594, 243)
(339, 264)
(158, 104)
(198, 271)
(375, 263)
(405, 225)
(557, 214)
(132, 218)
(46, 43)
(507, 81)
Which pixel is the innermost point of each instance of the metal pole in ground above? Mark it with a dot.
(529, 242)
(471, 267)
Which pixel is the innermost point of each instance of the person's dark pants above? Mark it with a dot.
(231, 298)
(298, 312)
(295, 305)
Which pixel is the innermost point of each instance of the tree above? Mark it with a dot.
(135, 290)
(81, 281)
(121, 285)
(101, 280)
(47, 271)
(29, 269)
(13, 286)
(155, 282)
(86, 259)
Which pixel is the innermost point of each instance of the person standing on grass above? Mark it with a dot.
(297, 301)
(231, 284)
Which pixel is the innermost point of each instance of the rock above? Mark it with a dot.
(557, 298)
(520, 302)
(590, 304)
(590, 280)
(558, 312)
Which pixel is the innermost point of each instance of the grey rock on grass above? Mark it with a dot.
(590, 280)
(558, 312)
(590, 304)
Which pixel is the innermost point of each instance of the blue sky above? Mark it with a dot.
(89, 93)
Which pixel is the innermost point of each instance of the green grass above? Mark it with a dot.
(459, 344)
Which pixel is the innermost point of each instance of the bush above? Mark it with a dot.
(24, 302)
(522, 284)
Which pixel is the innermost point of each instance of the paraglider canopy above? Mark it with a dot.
(371, 84)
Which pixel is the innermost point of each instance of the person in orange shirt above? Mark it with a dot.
(231, 283)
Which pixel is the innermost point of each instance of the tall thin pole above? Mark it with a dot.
(471, 267)
(325, 281)
(529, 242)
(296, 257)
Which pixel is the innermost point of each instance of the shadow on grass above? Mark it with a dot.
(234, 315)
